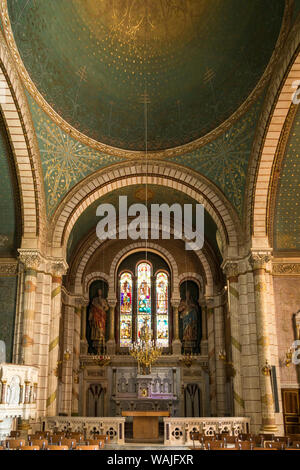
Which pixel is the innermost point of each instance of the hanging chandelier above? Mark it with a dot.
(145, 351)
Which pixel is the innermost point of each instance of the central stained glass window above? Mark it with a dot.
(152, 308)
(143, 297)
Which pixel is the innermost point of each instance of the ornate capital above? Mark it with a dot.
(260, 260)
(112, 302)
(175, 302)
(231, 269)
(59, 267)
(30, 258)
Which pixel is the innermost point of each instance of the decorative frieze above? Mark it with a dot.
(286, 268)
(8, 269)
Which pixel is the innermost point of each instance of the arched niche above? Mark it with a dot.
(190, 317)
(97, 308)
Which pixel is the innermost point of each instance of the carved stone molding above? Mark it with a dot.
(59, 267)
(286, 268)
(8, 269)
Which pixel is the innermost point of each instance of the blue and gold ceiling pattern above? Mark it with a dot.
(8, 195)
(97, 63)
(287, 208)
(65, 161)
(225, 160)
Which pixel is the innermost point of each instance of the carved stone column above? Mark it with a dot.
(31, 260)
(58, 269)
(3, 392)
(27, 392)
(111, 343)
(176, 343)
(76, 354)
(259, 262)
(204, 342)
(83, 340)
(231, 271)
(211, 356)
(219, 334)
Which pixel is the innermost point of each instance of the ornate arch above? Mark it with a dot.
(169, 174)
(95, 276)
(193, 277)
(24, 147)
(277, 106)
(96, 243)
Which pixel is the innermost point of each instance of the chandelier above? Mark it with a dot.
(145, 351)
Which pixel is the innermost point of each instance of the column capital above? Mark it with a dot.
(112, 302)
(230, 268)
(175, 301)
(30, 258)
(58, 267)
(260, 259)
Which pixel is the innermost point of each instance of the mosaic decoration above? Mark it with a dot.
(143, 297)
(193, 62)
(287, 212)
(125, 309)
(8, 292)
(225, 160)
(162, 309)
(8, 234)
(65, 161)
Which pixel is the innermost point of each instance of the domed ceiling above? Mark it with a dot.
(106, 66)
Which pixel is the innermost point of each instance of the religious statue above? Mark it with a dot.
(189, 314)
(97, 320)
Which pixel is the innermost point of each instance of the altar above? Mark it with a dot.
(145, 424)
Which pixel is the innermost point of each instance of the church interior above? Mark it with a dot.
(119, 341)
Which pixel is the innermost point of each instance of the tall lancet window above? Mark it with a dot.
(125, 309)
(162, 309)
(143, 297)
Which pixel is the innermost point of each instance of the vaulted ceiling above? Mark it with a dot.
(186, 79)
(193, 62)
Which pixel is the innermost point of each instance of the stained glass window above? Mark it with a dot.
(152, 308)
(125, 309)
(143, 297)
(162, 310)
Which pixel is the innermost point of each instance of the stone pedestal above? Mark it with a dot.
(176, 347)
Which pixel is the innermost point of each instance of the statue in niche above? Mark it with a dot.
(97, 320)
(14, 391)
(189, 312)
